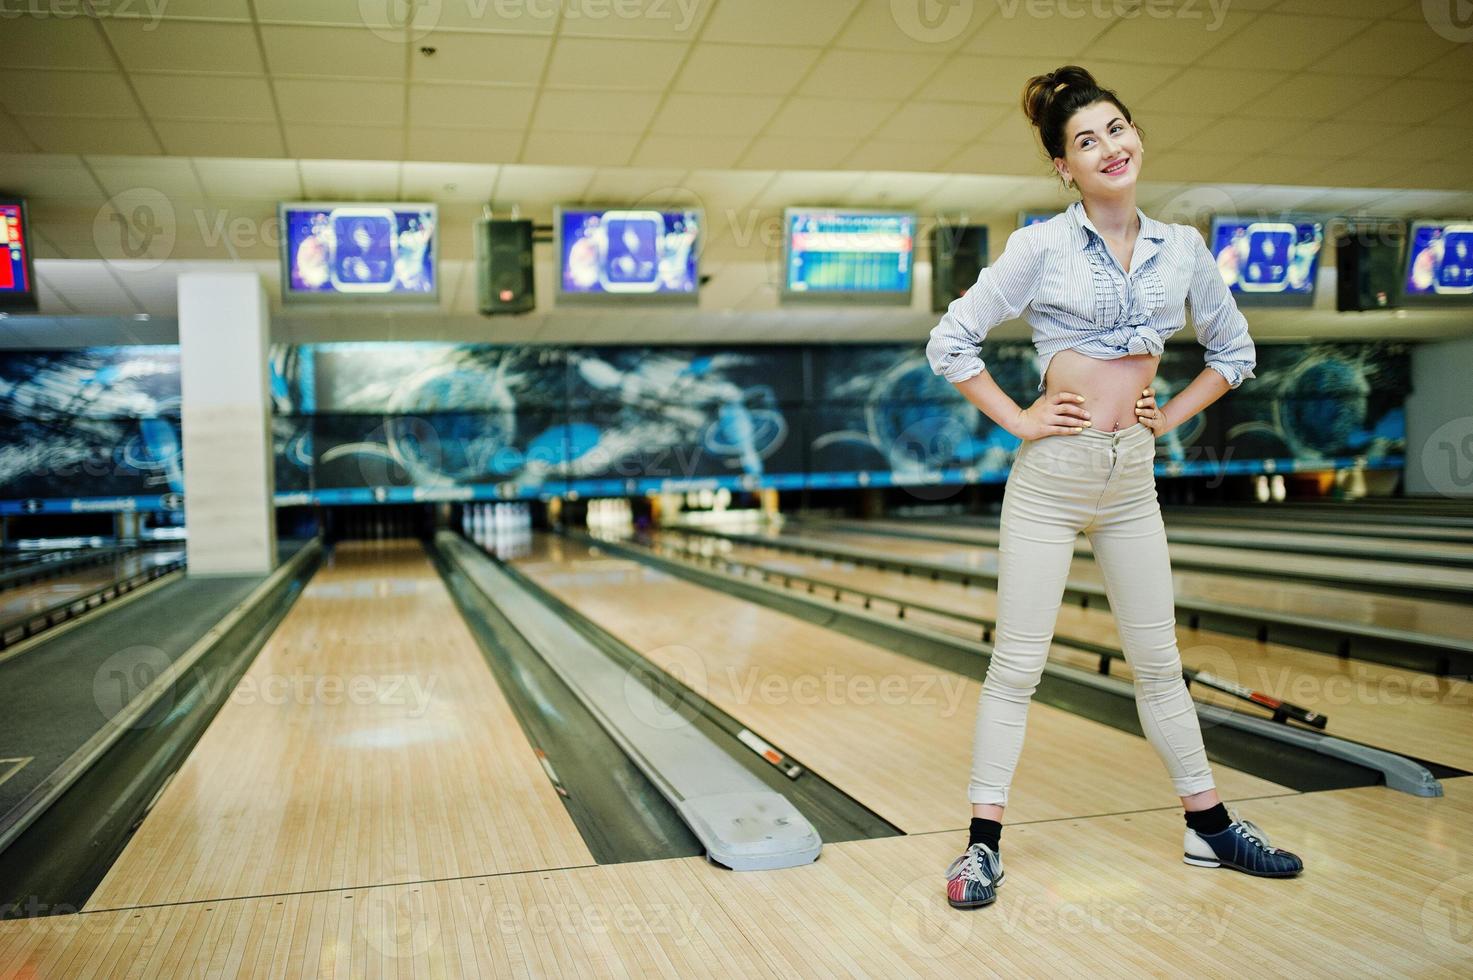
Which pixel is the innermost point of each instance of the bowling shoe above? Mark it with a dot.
(1242, 847)
(972, 879)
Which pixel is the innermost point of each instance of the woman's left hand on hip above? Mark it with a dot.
(1147, 412)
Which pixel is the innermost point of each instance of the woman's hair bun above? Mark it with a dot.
(1042, 90)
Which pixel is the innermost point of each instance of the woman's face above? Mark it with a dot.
(1102, 152)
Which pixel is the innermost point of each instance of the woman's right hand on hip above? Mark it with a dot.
(1059, 414)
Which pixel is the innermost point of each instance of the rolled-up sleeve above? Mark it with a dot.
(1221, 327)
(1001, 292)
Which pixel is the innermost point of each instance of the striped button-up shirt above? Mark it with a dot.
(1060, 276)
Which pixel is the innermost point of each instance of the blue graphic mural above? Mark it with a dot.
(368, 422)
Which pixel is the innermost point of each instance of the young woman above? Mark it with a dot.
(1103, 286)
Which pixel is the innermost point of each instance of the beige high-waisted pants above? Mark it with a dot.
(1104, 484)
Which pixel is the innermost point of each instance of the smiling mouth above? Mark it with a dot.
(1117, 168)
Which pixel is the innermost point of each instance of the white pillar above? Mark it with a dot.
(1439, 421)
(229, 474)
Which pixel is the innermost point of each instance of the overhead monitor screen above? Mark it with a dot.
(619, 255)
(849, 256)
(17, 280)
(1268, 263)
(1439, 265)
(359, 252)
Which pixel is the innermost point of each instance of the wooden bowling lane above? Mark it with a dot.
(1432, 536)
(1401, 710)
(35, 596)
(1228, 545)
(1438, 619)
(1106, 896)
(893, 732)
(367, 744)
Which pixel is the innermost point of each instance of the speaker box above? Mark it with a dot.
(504, 267)
(958, 255)
(1368, 267)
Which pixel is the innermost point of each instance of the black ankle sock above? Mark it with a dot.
(1213, 821)
(987, 832)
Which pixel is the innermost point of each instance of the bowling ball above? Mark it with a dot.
(1325, 403)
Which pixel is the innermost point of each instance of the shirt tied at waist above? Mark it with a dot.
(1134, 339)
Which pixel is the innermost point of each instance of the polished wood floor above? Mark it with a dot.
(1418, 714)
(367, 744)
(385, 837)
(1428, 616)
(1386, 891)
(891, 731)
(35, 596)
(1227, 545)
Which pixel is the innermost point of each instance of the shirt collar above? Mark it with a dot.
(1150, 227)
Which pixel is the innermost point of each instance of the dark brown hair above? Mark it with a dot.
(1049, 101)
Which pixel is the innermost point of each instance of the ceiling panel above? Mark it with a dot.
(349, 179)
(590, 149)
(227, 178)
(460, 57)
(177, 45)
(331, 51)
(879, 75)
(220, 139)
(173, 177)
(374, 143)
(1284, 42)
(880, 25)
(673, 20)
(198, 97)
(741, 107)
(778, 21)
(371, 13)
(332, 101)
(657, 150)
(471, 106)
(52, 42)
(153, 12)
(465, 145)
(76, 134)
(862, 79)
(448, 181)
(714, 115)
(725, 69)
(566, 110)
(829, 118)
(67, 93)
(772, 152)
(1057, 39)
(606, 64)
